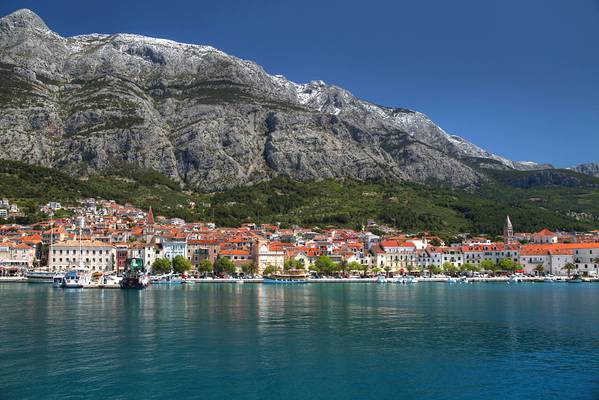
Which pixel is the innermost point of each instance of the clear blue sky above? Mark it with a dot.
(520, 78)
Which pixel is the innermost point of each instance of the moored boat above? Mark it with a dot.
(135, 275)
(292, 276)
(76, 279)
(40, 276)
(109, 282)
(575, 279)
(381, 279)
(57, 280)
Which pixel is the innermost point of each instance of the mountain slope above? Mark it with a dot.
(329, 202)
(95, 102)
(591, 169)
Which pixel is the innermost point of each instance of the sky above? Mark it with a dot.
(518, 78)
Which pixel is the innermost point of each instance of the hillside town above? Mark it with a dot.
(101, 235)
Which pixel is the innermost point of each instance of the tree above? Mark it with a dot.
(377, 270)
(569, 267)
(356, 266)
(181, 264)
(161, 266)
(507, 264)
(249, 268)
(467, 267)
(269, 270)
(488, 265)
(293, 264)
(205, 266)
(434, 269)
(450, 268)
(539, 269)
(224, 266)
(325, 265)
(387, 269)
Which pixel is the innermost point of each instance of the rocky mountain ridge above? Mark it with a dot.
(591, 169)
(95, 102)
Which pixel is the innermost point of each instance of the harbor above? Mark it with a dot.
(178, 339)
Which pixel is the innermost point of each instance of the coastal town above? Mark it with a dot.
(102, 235)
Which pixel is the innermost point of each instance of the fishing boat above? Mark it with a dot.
(291, 276)
(135, 275)
(76, 279)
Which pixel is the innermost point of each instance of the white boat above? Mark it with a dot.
(110, 282)
(40, 276)
(452, 280)
(515, 279)
(381, 279)
(464, 279)
(76, 279)
(57, 280)
(412, 279)
(239, 281)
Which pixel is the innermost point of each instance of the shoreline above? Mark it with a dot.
(327, 280)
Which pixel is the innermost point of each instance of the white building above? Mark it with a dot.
(91, 254)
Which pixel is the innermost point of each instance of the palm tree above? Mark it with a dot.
(539, 269)
(569, 267)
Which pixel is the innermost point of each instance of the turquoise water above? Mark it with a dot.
(317, 341)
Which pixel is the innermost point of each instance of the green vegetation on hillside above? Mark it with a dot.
(344, 203)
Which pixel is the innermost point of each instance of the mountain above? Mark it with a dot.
(591, 169)
(91, 103)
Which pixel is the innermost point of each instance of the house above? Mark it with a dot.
(544, 236)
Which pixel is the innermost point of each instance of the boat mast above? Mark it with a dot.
(80, 250)
(51, 241)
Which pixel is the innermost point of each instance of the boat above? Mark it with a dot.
(381, 279)
(464, 279)
(291, 276)
(110, 282)
(40, 276)
(76, 279)
(515, 279)
(575, 279)
(452, 280)
(57, 280)
(167, 279)
(239, 281)
(412, 279)
(135, 275)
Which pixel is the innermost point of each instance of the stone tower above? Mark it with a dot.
(508, 231)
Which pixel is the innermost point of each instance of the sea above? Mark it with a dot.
(312, 341)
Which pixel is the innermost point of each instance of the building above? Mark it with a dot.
(508, 231)
(268, 255)
(91, 254)
(13, 255)
(173, 246)
(544, 236)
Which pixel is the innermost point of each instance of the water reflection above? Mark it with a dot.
(308, 341)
